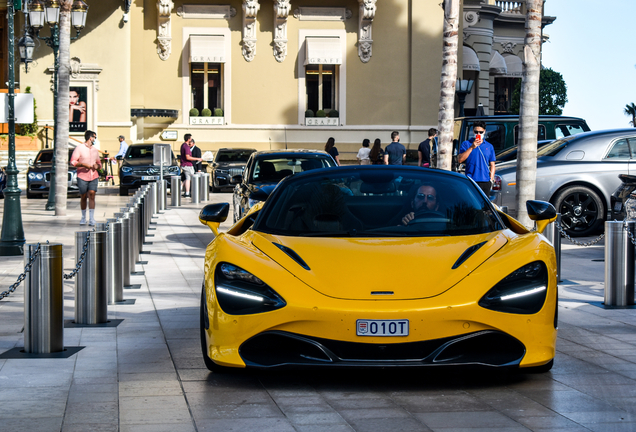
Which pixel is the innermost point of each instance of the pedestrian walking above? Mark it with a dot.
(395, 153)
(86, 159)
(330, 148)
(123, 148)
(363, 153)
(424, 151)
(479, 158)
(187, 161)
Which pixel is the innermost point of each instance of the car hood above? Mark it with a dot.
(226, 165)
(353, 268)
(47, 166)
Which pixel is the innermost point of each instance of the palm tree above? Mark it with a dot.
(630, 110)
(529, 111)
(61, 128)
(449, 76)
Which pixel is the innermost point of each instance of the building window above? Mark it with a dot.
(206, 89)
(321, 84)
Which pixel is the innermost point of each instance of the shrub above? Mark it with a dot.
(309, 113)
(206, 112)
(321, 113)
(218, 112)
(333, 113)
(194, 112)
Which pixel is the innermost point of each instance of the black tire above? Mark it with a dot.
(123, 191)
(538, 369)
(582, 210)
(204, 344)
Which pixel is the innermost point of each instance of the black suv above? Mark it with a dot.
(138, 169)
(38, 175)
(227, 165)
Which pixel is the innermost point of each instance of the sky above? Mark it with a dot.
(592, 45)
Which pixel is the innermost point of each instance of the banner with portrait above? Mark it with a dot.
(78, 115)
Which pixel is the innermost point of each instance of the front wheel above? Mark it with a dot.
(582, 210)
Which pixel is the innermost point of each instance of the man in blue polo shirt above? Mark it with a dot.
(395, 153)
(479, 157)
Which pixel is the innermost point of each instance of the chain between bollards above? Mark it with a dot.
(578, 243)
(78, 266)
(22, 276)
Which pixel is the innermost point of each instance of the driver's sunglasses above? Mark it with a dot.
(427, 197)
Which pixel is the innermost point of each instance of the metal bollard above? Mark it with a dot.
(204, 187)
(125, 249)
(133, 242)
(91, 295)
(619, 264)
(44, 300)
(114, 262)
(162, 190)
(152, 194)
(553, 235)
(175, 191)
(194, 189)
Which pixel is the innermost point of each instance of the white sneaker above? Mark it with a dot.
(83, 221)
(91, 222)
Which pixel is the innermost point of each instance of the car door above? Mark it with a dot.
(242, 190)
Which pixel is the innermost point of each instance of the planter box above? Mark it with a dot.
(322, 121)
(21, 143)
(207, 120)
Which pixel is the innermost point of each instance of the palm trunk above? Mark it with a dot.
(529, 111)
(446, 115)
(61, 128)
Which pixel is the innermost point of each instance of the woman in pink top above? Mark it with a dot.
(86, 159)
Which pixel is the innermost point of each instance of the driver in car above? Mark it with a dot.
(424, 200)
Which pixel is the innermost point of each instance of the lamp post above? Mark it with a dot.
(50, 12)
(12, 237)
(462, 88)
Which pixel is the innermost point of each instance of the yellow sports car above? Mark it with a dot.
(376, 266)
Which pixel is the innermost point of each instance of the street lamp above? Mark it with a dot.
(12, 237)
(462, 88)
(49, 12)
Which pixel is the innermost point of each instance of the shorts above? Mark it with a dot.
(84, 186)
(188, 171)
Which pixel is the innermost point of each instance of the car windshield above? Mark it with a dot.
(141, 152)
(373, 202)
(554, 147)
(233, 155)
(47, 156)
(275, 168)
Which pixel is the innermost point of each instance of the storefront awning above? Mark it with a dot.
(471, 62)
(514, 66)
(323, 50)
(207, 49)
(497, 64)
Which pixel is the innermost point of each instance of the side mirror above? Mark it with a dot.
(541, 212)
(213, 215)
(30, 162)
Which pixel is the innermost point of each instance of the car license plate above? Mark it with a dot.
(150, 178)
(382, 327)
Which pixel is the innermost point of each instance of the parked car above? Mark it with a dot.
(228, 163)
(266, 168)
(462, 284)
(138, 169)
(502, 131)
(578, 174)
(3, 181)
(510, 154)
(38, 175)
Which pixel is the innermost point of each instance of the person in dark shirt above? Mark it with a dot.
(424, 150)
(196, 153)
(330, 148)
(395, 153)
(376, 156)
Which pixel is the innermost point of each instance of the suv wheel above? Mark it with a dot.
(582, 210)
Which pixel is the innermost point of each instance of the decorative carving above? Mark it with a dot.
(365, 23)
(281, 12)
(250, 10)
(322, 13)
(76, 67)
(232, 12)
(348, 14)
(189, 11)
(180, 11)
(164, 29)
(508, 47)
(471, 18)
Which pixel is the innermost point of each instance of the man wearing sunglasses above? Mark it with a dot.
(479, 157)
(425, 199)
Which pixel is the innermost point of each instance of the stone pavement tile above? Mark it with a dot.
(154, 416)
(225, 382)
(607, 391)
(288, 401)
(27, 424)
(324, 428)
(31, 393)
(147, 377)
(441, 403)
(370, 403)
(466, 419)
(152, 402)
(352, 415)
(82, 407)
(153, 388)
(34, 408)
(610, 427)
(315, 418)
(90, 396)
(609, 416)
(553, 421)
(219, 396)
(567, 401)
(244, 424)
(83, 417)
(15, 380)
(246, 410)
(164, 366)
(188, 362)
(153, 427)
(389, 425)
(92, 427)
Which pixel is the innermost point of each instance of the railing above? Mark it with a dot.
(511, 7)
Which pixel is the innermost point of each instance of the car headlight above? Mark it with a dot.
(126, 169)
(36, 176)
(173, 169)
(241, 293)
(522, 292)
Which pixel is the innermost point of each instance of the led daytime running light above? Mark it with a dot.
(523, 293)
(239, 294)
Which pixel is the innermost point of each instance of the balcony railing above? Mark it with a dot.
(512, 7)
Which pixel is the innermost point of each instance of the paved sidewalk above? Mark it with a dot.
(147, 373)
